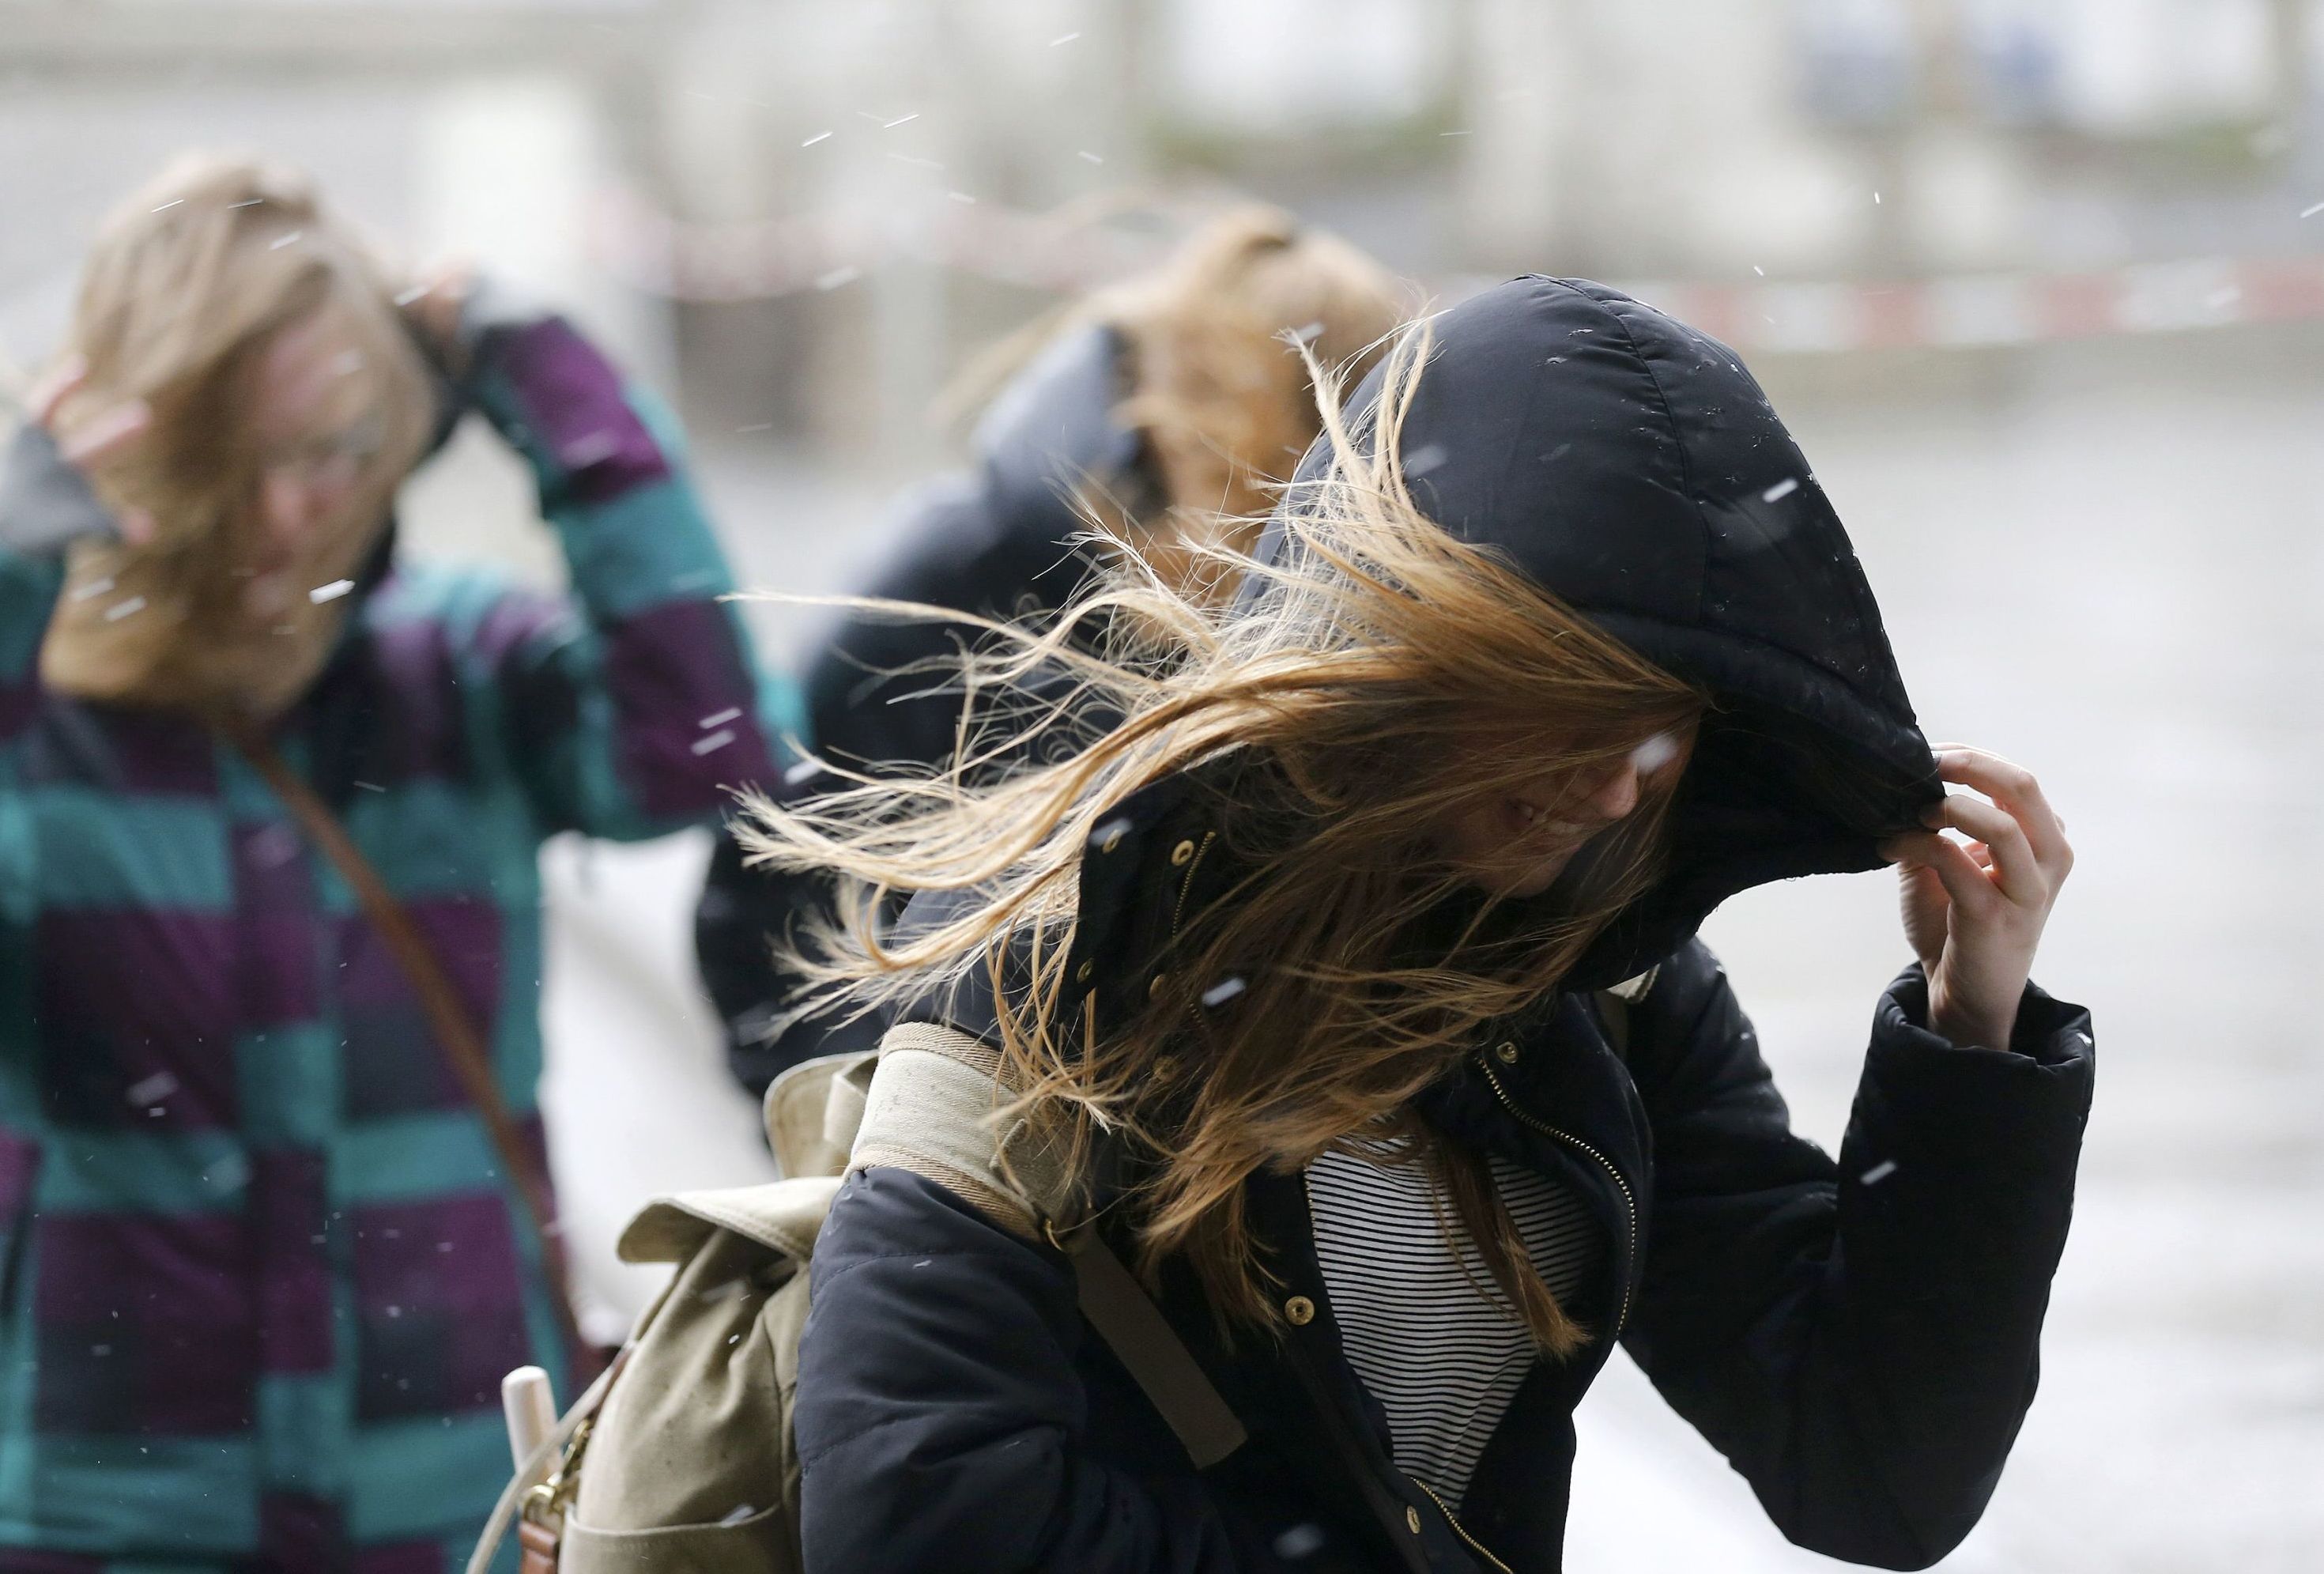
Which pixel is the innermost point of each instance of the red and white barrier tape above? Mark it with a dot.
(1976, 310)
(648, 251)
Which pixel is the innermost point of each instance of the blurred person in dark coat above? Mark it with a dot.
(1164, 409)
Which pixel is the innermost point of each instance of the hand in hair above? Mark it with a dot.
(432, 306)
(1974, 912)
(91, 443)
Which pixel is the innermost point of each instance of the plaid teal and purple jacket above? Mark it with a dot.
(260, 1272)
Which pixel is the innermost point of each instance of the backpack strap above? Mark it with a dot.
(933, 1109)
(542, 1482)
(1142, 1340)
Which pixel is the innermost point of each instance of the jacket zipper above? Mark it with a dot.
(1475, 1545)
(1177, 918)
(1186, 886)
(1629, 1202)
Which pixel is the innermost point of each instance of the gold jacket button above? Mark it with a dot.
(1082, 974)
(1506, 1052)
(1412, 1519)
(1154, 990)
(1299, 1310)
(1182, 852)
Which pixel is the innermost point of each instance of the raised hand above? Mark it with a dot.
(432, 307)
(89, 444)
(1974, 912)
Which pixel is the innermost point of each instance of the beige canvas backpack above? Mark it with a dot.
(680, 1458)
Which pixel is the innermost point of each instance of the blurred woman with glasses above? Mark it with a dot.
(265, 1266)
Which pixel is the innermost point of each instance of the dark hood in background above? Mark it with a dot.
(1634, 469)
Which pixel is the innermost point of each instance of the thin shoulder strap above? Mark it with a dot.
(446, 1014)
(1142, 1340)
(931, 1110)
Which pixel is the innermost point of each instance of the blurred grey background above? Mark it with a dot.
(2039, 283)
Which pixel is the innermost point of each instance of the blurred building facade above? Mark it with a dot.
(801, 216)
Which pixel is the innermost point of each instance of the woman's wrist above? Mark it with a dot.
(1970, 1030)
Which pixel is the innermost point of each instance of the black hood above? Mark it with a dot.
(1634, 468)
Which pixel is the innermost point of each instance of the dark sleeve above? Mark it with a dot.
(939, 1416)
(883, 691)
(743, 912)
(45, 505)
(1861, 1340)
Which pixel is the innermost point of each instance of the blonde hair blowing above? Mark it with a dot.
(1224, 396)
(1215, 382)
(186, 284)
(1385, 676)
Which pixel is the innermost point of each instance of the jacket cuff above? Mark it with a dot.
(1923, 1095)
(45, 502)
(2050, 1032)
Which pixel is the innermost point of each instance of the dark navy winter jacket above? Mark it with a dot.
(997, 540)
(1858, 1338)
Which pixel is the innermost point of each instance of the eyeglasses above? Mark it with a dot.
(322, 457)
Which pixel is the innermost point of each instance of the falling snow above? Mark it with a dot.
(1224, 990)
(152, 1089)
(1656, 752)
(1300, 1542)
(589, 449)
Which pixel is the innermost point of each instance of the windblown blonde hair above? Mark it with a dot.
(188, 283)
(1216, 383)
(1382, 676)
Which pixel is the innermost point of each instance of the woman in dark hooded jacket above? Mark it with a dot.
(1353, 973)
(1164, 407)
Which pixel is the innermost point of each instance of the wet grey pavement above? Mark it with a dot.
(2105, 561)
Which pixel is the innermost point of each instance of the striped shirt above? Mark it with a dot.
(1420, 1319)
